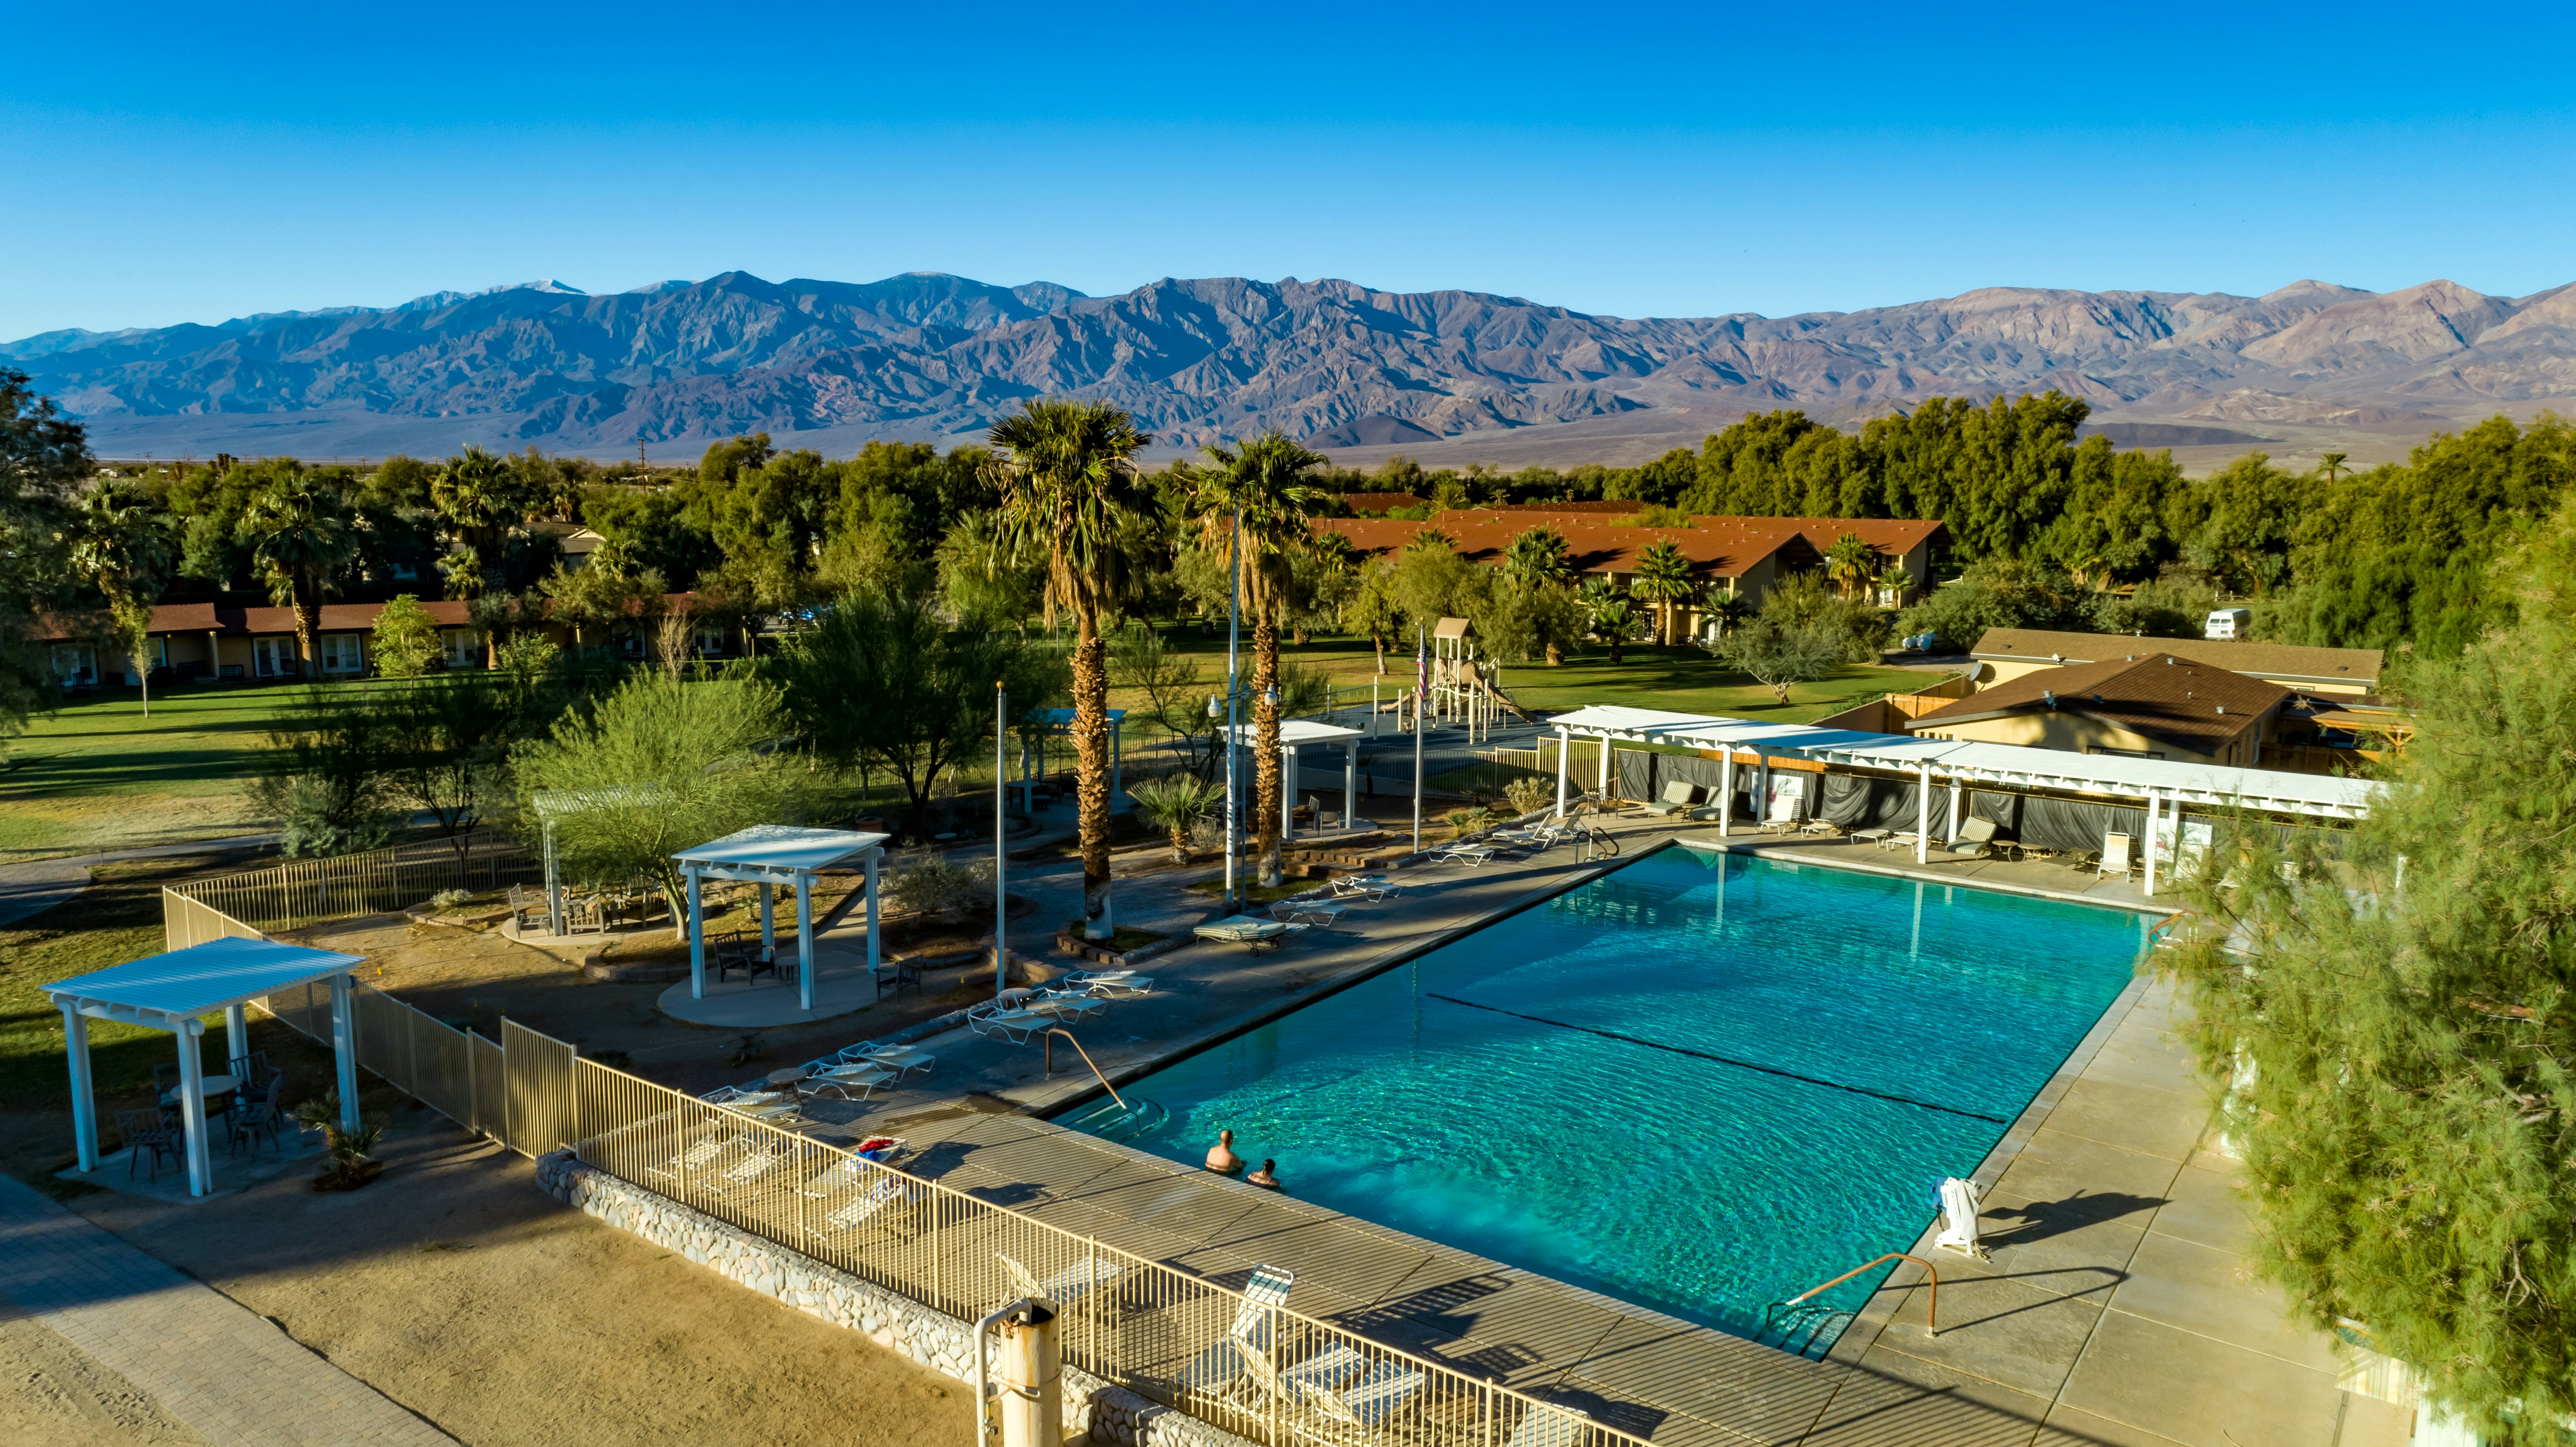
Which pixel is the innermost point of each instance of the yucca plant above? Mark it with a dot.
(353, 1161)
(1174, 803)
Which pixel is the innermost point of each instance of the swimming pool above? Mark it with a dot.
(1703, 1083)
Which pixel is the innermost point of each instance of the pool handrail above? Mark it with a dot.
(1931, 1317)
(1049, 1040)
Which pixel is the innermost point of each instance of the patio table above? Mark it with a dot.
(208, 1088)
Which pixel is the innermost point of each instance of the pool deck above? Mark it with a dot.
(2117, 1308)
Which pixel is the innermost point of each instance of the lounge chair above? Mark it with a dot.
(1008, 1018)
(1372, 887)
(1065, 1287)
(1308, 909)
(758, 1164)
(1223, 1365)
(2115, 857)
(527, 909)
(1471, 855)
(1361, 1409)
(887, 1191)
(1783, 815)
(852, 1170)
(1242, 929)
(1975, 839)
(840, 1080)
(901, 1059)
(1678, 796)
(1549, 1427)
(1067, 1004)
(1112, 984)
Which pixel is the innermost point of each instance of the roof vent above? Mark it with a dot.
(2169, 660)
(2222, 708)
(2050, 696)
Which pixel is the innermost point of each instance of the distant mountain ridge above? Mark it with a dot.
(933, 356)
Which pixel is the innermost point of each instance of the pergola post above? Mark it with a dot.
(344, 1045)
(1287, 791)
(872, 924)
(1726, 793)
(192, 1107)
(1561, 741)
(1116, 784)
(84, 1097)
(1605, 769)
(2152, 801)
(804, 937)
(1350, 786)
(1761, 788)
(697, 938)
(768, 927)
(236, 1036)
(1954, 810)
(1922, 814)
(554, 886)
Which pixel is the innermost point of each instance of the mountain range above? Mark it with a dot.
(1355, 371)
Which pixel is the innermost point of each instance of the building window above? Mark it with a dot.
(2122, 753)
(76, 664)
(343, 653)
(273, 657)
(710, 638)
(464, 650)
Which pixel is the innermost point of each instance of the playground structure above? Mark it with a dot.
(1463, 688)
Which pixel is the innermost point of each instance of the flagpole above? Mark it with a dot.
(1233, 693)
(1001, 827)
(1421, 673)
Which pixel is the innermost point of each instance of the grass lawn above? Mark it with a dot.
(95, 774)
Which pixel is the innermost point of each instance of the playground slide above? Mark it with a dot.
(1504, 701)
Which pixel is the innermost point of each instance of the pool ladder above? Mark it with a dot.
(1810, 1331)
(1112, 1121)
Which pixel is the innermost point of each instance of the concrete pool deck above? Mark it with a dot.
(2117, 1309)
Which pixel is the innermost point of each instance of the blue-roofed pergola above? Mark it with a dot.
(770, 855)
(175, 992)
(1057, 723)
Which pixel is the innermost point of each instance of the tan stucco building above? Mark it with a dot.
(2004, 654)
(2153, 705)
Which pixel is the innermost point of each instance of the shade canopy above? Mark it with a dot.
(172, 991)
(554, 803)
(779, 851)
(1062, 718)
(1295, 731)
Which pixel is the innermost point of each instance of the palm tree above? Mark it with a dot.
(121, 540)
(1852, 562)
(1540, 555)
(1729, 609)
(1264, 483)
(1607, 613)
(1663, 578)
(2331, 464)
(478, 497)
(1067, 474)
(1897, 582)
(301, 538)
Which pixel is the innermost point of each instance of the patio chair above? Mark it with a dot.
(589, 912)
(886, 1193)
(527, 909)
(148, 1131)
(1678, 796)
(1783, 815)
(901, 1059)
(248, 1120)
(1222, 1366)
(1975, 839)
(1471, 855)
(2115, 857)
(840, 1080)
(764, 1159)
(1306, 908)
(1006, 1020)
(1358, 1412)
(1065, 1287)
(1068, 1003)
(1112, 984)
(1253, 934)
(1549, 1426)
(1371, 887)
(244, 1069)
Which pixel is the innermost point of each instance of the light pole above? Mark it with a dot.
(1233, 694)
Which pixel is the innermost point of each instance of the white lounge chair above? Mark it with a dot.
(758, 1164)
(1362, 1409)
(1364, 886)
(1112, 984)
(1065, 1287)
(1549, 1427)
(1223, 1365)
(1307, 909)
(1067, 1004)
(849, 1171)
(1242, 929)
(1007, 1020)
(1975, 839)
(1471, 855)
(901, 1059)
(840, 1080)
(887, 1191)
(1783, 815)
(1678, 796)
(2115, 857)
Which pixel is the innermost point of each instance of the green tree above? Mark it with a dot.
(2394, 1029)
(405, 644)
(479, 498)
(321, 778)
(1261, 492)
(444, 746)
(657, 767)
(983, 584)
(1853, 563)
(1374, 608)
(1778, 655)
(42, 456)
(1174, 803)
(1663, 579)
(1608, 615)
(1540, 555)
(1175, 696)
(300, 535)
(928, 686)
(1067, 474)
(122, 543)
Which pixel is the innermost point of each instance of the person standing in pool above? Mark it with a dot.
(1267, 1178)
(1222, 1158)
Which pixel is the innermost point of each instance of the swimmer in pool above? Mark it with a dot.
(1267, 1177)
(1222, 1158)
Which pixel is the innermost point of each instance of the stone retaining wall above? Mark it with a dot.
(1107, 1413)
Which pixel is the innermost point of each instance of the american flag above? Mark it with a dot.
(1421, 673)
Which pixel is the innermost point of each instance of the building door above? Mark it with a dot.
(273, 657)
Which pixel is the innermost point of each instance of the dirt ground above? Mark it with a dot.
(457, 1289)
(53, 1393)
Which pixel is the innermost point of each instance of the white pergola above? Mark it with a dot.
(1294, 732)
(175, 992)
(553, 804)
(770, 855)
(2163, 785)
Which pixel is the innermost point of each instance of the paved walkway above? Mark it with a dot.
(29, 889)
(205, 1360)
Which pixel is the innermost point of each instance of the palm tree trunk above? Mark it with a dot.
(308, 621)
(1266, 783)
(1091, 770)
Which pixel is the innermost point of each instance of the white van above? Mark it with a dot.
(2229, 623)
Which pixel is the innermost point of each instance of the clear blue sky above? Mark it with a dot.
(166, 163)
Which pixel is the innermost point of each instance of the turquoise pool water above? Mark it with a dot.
(1703, 1083)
